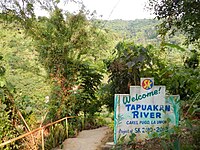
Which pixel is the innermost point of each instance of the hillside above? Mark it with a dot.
(23, 71)
(141, 31)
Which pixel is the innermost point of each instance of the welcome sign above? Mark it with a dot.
(144, 112)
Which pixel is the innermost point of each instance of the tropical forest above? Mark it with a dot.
(59, 72)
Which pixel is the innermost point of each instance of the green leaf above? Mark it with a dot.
(164, 145)
(2, 83)
(132, 136)
(3, 106)
(174, 46)
(28, 109)
(188, 124)
(2, 70)
(10, 87)
(176, 144)
(195, 111)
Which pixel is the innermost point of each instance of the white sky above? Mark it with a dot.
(123, 9)
(111, 9)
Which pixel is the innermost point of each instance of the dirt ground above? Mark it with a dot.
(86, 140)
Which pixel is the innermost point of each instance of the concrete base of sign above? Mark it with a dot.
(108, 146)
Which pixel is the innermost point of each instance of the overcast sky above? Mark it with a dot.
(119, 9)
(111, 9)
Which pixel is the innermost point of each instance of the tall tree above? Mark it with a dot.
(63, 42)
(176, 15)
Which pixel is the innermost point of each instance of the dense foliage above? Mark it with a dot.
(133, 61)
(63, 45)
(141, 31)
(8, 119)
(179, 15)
(62, 58)
(66, 65)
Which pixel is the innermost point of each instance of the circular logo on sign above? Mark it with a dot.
(147, 84)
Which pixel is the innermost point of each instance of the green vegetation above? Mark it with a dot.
(141, 31)
(7, 111)
(178, 15)
(68, 65)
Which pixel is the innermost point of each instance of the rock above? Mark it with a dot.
(108, 146)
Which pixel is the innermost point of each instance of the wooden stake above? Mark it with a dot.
(42, 139)
(67, 127)
(33, 139)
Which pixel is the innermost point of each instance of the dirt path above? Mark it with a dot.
(87, 140)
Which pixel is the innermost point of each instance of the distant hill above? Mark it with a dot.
(141, 31)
